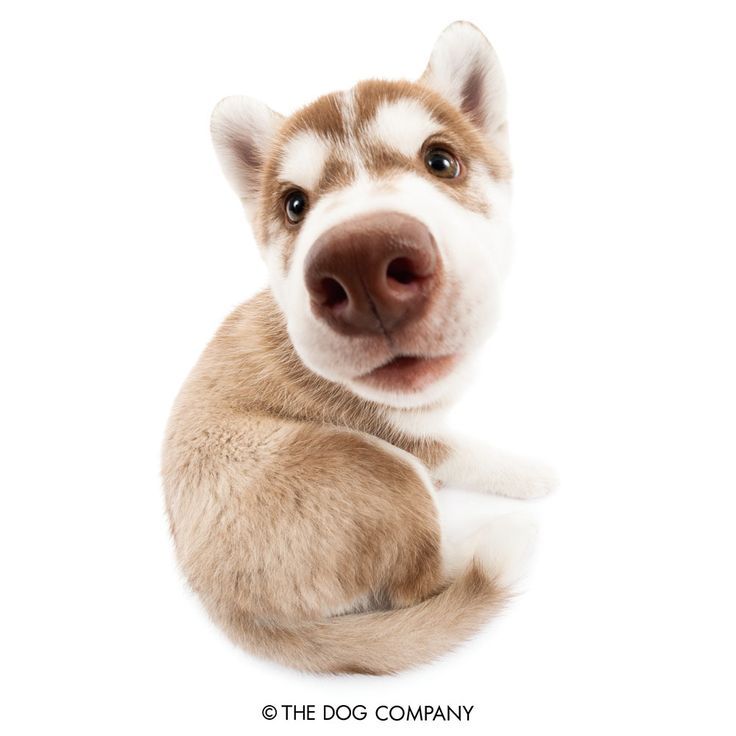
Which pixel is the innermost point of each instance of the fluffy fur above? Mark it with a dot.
(301, 496)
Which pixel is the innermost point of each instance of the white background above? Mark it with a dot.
(123, 249)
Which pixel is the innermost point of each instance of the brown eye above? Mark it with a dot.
(295, 204)
(441, 163)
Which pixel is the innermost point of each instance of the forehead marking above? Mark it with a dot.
(303, 159)
(402, 125)
(350, 144)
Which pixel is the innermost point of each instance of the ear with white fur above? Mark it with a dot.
(465, 70)
(242, 130)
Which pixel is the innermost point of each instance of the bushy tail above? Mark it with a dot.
(385, 642)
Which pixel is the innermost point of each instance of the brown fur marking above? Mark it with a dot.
(325, 117)
(261, 453)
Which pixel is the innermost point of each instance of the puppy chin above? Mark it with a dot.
(427, 393)
(412, 377)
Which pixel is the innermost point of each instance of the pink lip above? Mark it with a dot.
(409, 372)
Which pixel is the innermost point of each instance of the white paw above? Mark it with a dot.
(527, 479)
(505, 545)
(476, 467)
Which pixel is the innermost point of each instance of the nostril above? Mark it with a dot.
(333, 293)
(407, 271)
(402, 270)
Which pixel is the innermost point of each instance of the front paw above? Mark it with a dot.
(476, 467)
(525, 479)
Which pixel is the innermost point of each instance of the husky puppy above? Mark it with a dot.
(303, 453)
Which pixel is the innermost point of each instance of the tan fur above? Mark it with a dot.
(302, 516)
(289, 508)
(323, 116)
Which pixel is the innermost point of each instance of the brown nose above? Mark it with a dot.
(372, 274)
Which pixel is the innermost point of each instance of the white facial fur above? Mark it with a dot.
(473, 247)
(399, 125)
(474, 251)
(304, 159)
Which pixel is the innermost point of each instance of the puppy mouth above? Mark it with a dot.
(409, 372)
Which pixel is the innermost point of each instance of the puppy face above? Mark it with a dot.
(382, 215)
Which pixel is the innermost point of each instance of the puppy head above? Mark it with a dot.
(382, 215)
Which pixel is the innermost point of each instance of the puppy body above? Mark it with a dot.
(301, 458)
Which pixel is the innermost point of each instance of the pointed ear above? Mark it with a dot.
(465, 70)
(242, 131)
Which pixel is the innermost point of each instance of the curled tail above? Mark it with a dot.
(384, 642)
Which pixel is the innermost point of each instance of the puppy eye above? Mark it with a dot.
(295, 205)
(441, 163)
